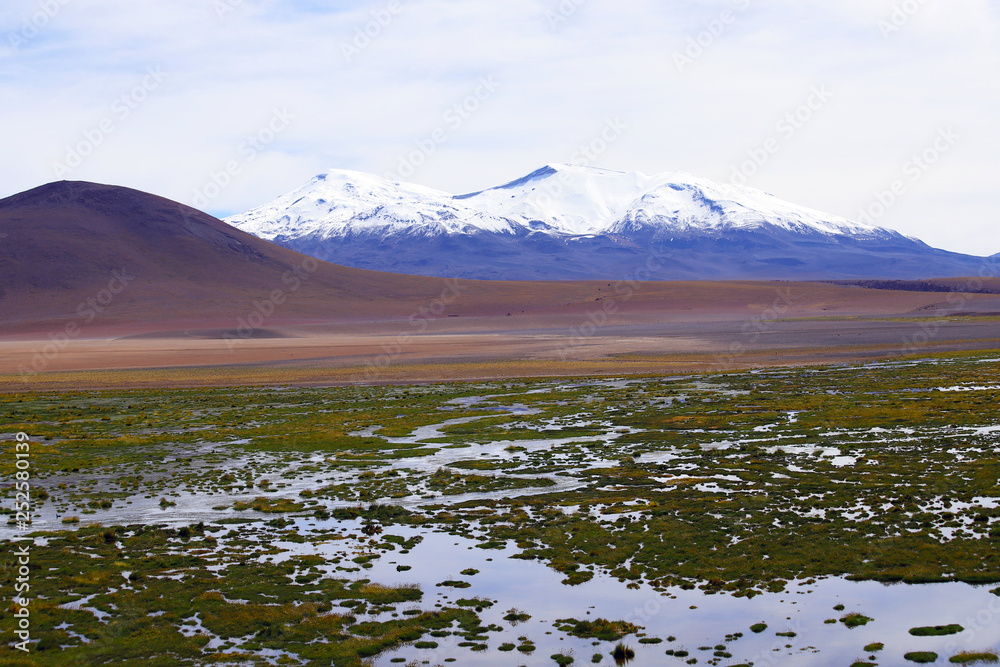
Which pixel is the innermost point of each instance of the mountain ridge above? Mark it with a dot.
(570, 222)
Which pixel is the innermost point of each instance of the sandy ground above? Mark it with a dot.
(333, 353)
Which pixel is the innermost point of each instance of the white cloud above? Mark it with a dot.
(558, 84)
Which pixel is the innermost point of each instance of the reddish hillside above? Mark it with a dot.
(138, 257)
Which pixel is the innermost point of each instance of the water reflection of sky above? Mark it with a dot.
(537, 590)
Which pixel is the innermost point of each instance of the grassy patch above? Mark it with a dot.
(975, 658)
(936, 630)
(855, 619)
(600, 628)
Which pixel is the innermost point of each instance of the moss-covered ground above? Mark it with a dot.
(162, 506)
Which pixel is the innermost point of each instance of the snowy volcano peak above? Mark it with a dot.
(573, 222)
(341, 202)
(560, 199)
(567, 198)
(578, 200)
(682, 201)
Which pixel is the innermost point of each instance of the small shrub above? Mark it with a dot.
(599, 628)
(854, 619)
(516, 616)
(622, 652)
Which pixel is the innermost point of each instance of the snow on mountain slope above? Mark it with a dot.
(342, 202)
(585, 200)
(557, 199)
(570, 222)
(695, 204)
(566, 198)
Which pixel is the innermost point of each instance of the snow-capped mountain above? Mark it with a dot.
(345, 203)
(572, 222)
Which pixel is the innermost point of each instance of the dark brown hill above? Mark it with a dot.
(66, 243)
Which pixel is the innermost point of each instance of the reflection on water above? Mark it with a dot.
(690, 623)
(678, 626)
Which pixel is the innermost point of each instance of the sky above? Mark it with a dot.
(883, 111)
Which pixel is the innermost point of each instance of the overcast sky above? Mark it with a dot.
(230, 103)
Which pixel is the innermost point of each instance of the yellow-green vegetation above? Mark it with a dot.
(269, 506)
(137, 595)
(451, 483)
(599, 628)
(516, 616)
(855, 619)
(936, 630)
(921, 656)
(732, 484)
(975, 658)
(623, 653)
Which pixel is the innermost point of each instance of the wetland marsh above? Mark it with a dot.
(742, 518)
